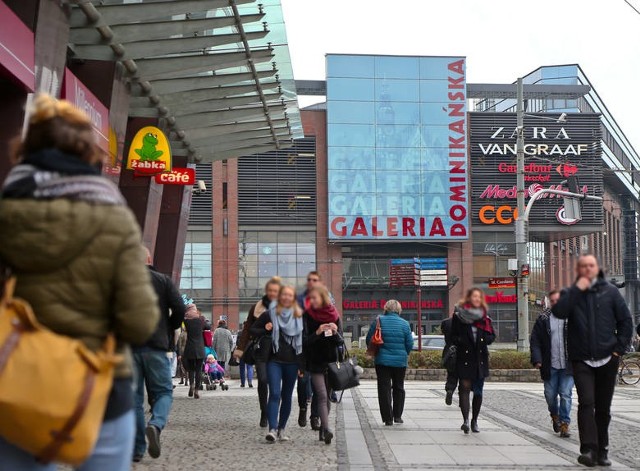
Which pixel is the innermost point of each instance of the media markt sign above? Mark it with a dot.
(149, 153)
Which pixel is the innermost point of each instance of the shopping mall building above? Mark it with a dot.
(403, 161)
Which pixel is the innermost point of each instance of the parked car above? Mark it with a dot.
(430, 342)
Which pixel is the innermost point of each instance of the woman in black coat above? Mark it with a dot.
(472, 333)
(194, 349)
(322, 338)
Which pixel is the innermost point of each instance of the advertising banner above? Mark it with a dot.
(78, 94)
(397, 148)
(150, 152)
(553, 151)
(17, 52)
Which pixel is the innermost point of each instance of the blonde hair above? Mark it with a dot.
(393, 306)
(469, 293)
(324, 294)
(297, 311)
(274, 280)
(58, 124)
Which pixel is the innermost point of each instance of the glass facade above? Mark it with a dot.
(263, 254)
(391, 121)
(196, 268)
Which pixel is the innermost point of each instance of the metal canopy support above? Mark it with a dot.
(174, 67)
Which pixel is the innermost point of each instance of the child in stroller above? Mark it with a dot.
(214, 374)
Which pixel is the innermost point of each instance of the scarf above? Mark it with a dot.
(191, 312)
(51, 174)
(287, 325)
(477, 316)
(324, 315)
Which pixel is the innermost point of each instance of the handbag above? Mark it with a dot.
(59, 419)
(450, 357)
(341, 374)
(257, 349)
(376, 341)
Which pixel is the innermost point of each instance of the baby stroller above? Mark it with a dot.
(213, 374)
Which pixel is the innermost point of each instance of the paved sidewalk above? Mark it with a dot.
(220, 431)
(431, 437)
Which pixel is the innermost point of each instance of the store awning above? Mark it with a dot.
(218, 72)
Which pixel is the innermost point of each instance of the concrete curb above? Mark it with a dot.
(503, 376)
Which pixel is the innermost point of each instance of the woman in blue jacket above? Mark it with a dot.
(391, 361)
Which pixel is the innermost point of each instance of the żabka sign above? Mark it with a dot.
(149, 153)
(397, 154)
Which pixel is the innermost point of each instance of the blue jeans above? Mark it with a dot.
(282, 379)
(111, 453)
(560, 384)
(246, 372)
(153, 369)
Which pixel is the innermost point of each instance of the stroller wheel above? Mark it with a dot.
(225, 387)
(201, 387)
(214, 387)
(209, 387)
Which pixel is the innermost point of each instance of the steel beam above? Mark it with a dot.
(226, 117)
(156, 30)
(170, 67)
(124, 13)
(224, 104)
(201, 133)
(264, 133)
(185, 84)
(160, 47)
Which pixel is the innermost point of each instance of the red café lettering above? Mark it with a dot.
(178, 176)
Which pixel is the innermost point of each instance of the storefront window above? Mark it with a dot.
(263, 254)
(196, 267)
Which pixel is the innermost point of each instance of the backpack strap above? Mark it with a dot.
(63, 436)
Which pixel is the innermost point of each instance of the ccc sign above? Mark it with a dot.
(497, 214)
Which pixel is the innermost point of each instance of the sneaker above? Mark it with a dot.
(555, 421)
(282, 437)
(153, 438)
(449, 399)
(250, 385)
(137, 458)
(398, 420)
(564, 430)
(242, 385)
(272, 436)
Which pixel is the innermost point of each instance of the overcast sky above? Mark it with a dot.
(501, 39)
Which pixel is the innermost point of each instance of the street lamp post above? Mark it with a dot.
(521, 227)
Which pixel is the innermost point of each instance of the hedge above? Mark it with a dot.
(430, 359)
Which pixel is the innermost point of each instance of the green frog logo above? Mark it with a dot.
(148, 150)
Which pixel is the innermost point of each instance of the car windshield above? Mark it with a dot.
(435, 342)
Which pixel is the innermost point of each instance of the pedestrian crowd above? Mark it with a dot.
(68, 238)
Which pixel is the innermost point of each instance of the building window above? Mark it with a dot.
(263, 254)
(196, 267)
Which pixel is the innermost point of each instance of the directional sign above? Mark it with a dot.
(433, 283)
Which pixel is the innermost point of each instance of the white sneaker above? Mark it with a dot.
(282, 437)
(272, 435)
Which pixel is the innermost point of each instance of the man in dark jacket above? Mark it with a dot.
(452, 378)
(153, 366)
(549, 355)
(599, 331)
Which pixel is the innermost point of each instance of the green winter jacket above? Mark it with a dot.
(81, 266)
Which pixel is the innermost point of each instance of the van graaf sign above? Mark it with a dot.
(405, 176)
(553, 152)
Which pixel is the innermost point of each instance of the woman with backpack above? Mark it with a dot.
(75, 249)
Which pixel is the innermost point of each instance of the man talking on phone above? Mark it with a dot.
(598, 333)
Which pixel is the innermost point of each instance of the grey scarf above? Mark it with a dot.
(469, 315)
(287, 325)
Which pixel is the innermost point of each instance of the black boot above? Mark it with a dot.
(588, 458)
(477, 404)
(603, 458)
(321, 435)
(302, 417)
(264, 422)
(328, 436)
(464, 408)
